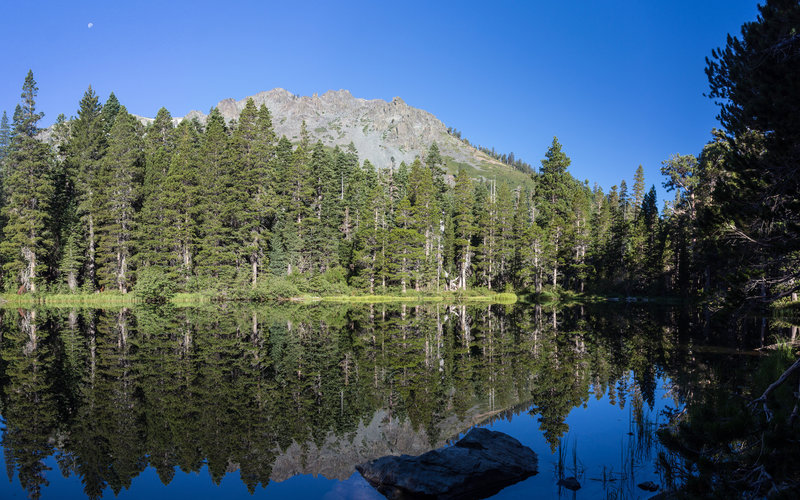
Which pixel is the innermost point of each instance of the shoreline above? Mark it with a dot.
(116, 299)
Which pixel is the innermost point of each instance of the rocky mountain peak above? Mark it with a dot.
(385, 133)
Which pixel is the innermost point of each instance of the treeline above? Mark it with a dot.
(508, 159)
(737, 212)
(228, 205)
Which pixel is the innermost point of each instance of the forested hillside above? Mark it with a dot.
(228, 205)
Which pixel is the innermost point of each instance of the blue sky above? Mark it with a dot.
(619, 82)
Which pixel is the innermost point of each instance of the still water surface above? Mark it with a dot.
(282, 402)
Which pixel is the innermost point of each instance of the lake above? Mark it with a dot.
(245, 401)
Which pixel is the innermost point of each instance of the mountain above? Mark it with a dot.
(385, 133)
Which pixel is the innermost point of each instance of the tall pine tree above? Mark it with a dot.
(27, 235)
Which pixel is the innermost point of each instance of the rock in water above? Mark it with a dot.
(570, 483)
(481, 464)
(648, 486)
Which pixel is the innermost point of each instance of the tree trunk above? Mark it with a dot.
(28, 277)
(90, 261)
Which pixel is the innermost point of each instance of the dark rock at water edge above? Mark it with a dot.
(570, 483)
(479, 465)
(648, 486)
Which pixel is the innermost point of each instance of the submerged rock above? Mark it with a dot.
(648, 486)
(570, 483)
(481, 464)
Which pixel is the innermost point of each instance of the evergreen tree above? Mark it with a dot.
(323, 226)
(83, 154)
(181, 204)
(220, 205)
(554, 191)
(5, 137)
(504, 201)
(253, 142)
(426, 215)
(27, 234)
(435, 162)
(463, 226)
(152, 224)
(485, 217)
(370, 255)
(110, 110)
(119, 181)
(638, 190)
(405, 247)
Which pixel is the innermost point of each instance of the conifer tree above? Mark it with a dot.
(463, 199)
(181, 203)
(152, 224)
(83, 153)
(27, 235)
(425, 214)
(220, 206)
(404, 247)
(554, 191)
(253, 143)
(69, 248)
(322, 228)
(504, 201)
(119, 181)
(638, 190)
(485, 216)
(110, 110)
(435, 163)
(369, 255)
(5, 137)
(5, 144)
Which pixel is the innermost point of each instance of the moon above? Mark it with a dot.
(90, 25)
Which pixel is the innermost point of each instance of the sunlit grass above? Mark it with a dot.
(99, 299)
(448, 297)
(116, 299)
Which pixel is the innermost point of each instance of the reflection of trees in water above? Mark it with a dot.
(111, 392)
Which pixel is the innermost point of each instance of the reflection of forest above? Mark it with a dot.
(286, 390)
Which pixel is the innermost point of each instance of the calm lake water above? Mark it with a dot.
(237, 401)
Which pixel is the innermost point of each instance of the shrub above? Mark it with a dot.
(275, 287)
(154, 286)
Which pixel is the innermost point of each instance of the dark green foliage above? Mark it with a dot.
(725, 442)
(158, 148)
(5, 137)
(119, 180)
(754, 81)
(27, 181)
(275, 287)
(225, 206)
(154, 286)
(110, 110)
(83, 153)
(193, 390)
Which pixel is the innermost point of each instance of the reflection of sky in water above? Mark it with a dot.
(600, 431)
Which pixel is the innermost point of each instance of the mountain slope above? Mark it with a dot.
(385, 133)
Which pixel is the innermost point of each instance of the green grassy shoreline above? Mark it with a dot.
(115, 299)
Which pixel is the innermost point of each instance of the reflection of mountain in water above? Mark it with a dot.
(383, 435)
(292, 390)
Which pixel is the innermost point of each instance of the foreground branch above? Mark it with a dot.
(763, 398)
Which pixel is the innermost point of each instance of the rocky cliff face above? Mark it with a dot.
(383, 435)
(385, 133)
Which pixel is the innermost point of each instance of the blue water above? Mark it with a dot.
(599, 430)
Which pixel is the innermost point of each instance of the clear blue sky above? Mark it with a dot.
(619, 82)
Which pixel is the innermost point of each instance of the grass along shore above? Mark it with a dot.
(116, 299)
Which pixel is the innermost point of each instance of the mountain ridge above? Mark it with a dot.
(384, 132)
